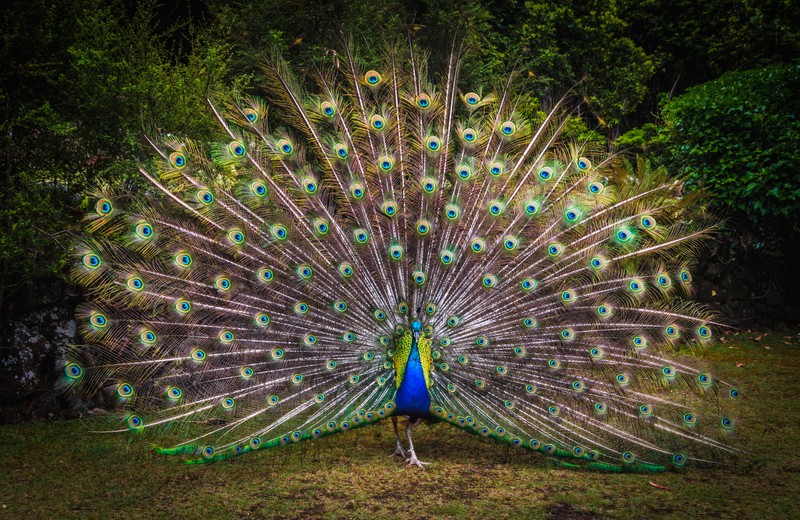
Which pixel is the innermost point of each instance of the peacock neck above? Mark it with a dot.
(413, 370)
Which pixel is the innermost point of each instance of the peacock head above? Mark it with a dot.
(416, 326)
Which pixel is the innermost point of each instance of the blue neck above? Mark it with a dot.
(412, 397)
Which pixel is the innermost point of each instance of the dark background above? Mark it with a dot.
(709, 90)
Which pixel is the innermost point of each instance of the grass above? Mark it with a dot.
(55, 469)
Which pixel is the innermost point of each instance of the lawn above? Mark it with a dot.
(56, 469)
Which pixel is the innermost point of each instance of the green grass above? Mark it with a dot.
(56, 469)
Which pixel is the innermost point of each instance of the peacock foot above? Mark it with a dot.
(399, 451)
(413, 461)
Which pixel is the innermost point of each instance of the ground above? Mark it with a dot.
(56, 469)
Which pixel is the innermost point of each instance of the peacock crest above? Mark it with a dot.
(389, 240)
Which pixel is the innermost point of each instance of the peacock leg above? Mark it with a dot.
(412, 459)
(399, 451)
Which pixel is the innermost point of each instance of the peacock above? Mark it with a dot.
(386, 246)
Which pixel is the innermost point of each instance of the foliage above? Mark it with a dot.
(738, 136)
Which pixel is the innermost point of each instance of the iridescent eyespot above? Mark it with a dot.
(555, 249)
(357, 190)
(327, 108)
(496, 208)
(346, 269)
(279, 232)
(98, 320)
(273, 400)
(396, 252)
(735, 393)
(704, 379)
(204, 197)
(134, 422)
(596, 353)
(432, 143)
(598, 262)
(510, 243)
(177, 160)
(578, 386)
(372, 78)
(419, 277)
(124, 390)
(668, 371)
(464, 172)
(285, 146)
(568, 296)
(183, 260)
(262, 319)
(183, 307)
(258, 189)
(423, 227)
(689, 419)
(553, 363)
(235, 237)
(572, 215)
(679, 459)
(222, 283)
(402, 308)
(532, 208)
(321, 226)
(489, 280)
(469, 135)
(479, 383)
(685, 276)
(377, 122)
(91, 261)
(73, 371)
(349, 336)
(605, 310)
(481, 341)
(477, 245)
(143, 231)
(622, 379)
(647, 222)
(147, 337)
(277, 353)
(508, 128)
(103, 207)
(530, 323)
(583, 163)
(496, 169)
(623, 235)
(727, 423)
(385, 163)
(664, 280)
(453, 321)
(236, 149)
(452, 212)
(266, 275)
(174, 392)
(297, 378)
(389, 208)
(639, 342)
(628, 457)
(567, 334)
(310, 185)
(340, 150)
(646, 410)
(636, 286)
(596, 188)
(198, 354)
(600, 408)
(528, 284)
(360, 236)
(430, 309)
(250, 114)
(429, 184)
(446, 257)
(546, 173)
(305, 272)
(703, 332)
(472, 98)
(226, 337)
(423, 101)
(301, 308)
(519, 351)
(340, 305)
(672, 331)
(553, 410)
(379, 314)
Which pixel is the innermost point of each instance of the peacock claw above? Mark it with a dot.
(400, 451)
(413, 461)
